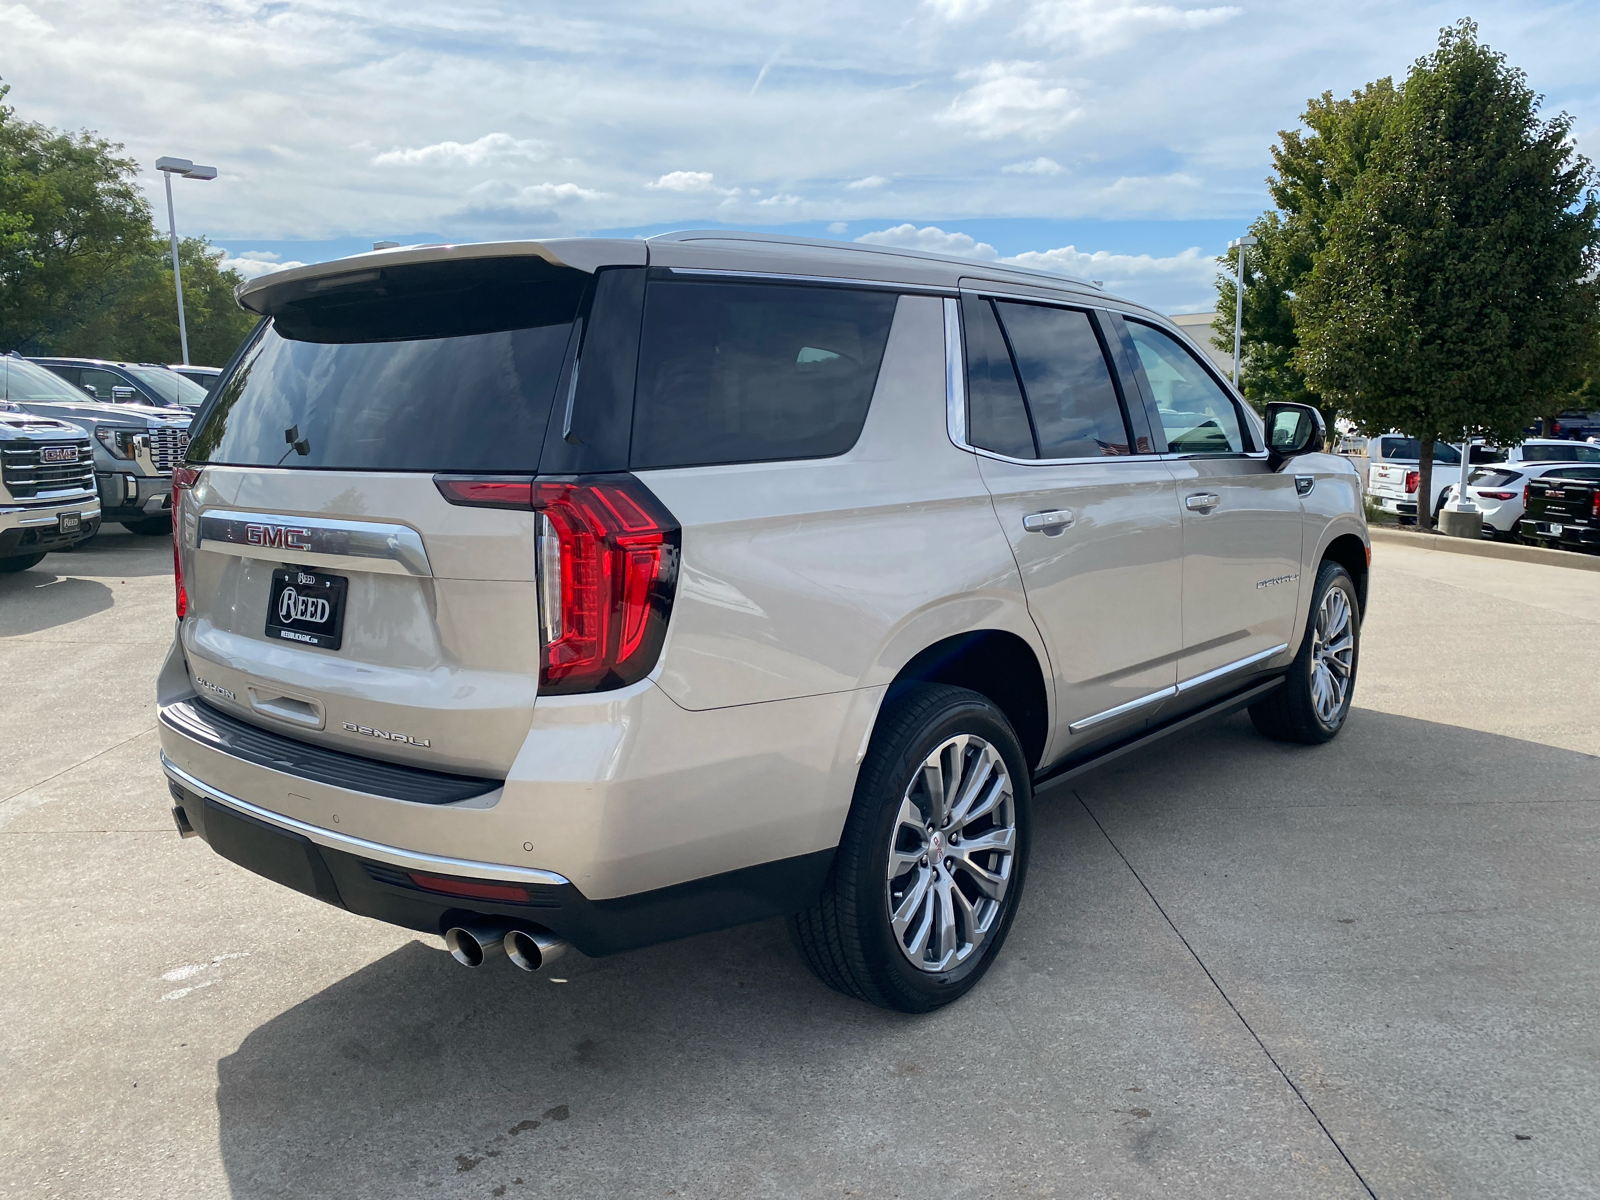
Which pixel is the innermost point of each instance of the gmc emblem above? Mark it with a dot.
(277, 537)
(58, 454)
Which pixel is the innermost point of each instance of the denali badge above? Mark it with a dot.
(1266, 583)
(277, 537)
(211, 687)
(390, 737)
(58, 454)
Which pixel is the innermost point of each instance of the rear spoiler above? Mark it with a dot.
(267, 294)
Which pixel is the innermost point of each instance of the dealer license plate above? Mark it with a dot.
(306, 607)
(1548, 527)
(69, 522)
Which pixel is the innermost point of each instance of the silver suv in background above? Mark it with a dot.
(134, 446)
(603, 592)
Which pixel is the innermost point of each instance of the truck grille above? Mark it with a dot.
(167, 445)
(26, 475)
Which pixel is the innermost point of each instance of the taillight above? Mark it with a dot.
(1594, 504)
(183, 478)
(1497, 495)
(1413, 481)
(1526, 488)
(607, 565)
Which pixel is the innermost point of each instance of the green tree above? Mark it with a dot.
(1313, 169)
(1455, 291)
(83, 270)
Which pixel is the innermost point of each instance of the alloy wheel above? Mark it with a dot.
(1333, 649)
(951, 854)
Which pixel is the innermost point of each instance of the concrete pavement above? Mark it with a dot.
(1241, 969)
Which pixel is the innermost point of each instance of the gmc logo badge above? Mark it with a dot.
(59, 454)
(277, 537)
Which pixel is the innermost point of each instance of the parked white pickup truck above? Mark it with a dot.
(1394, 474)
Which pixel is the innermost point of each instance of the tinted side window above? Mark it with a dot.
(1067, 382)
(1196, 414)
(102, 381)
(748, 372)
(996, 417)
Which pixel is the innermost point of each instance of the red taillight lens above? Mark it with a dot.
(1525, 489)
(1497, 495)
(1413, 481)
(183, 478)
(1594, 504)
(607, 554)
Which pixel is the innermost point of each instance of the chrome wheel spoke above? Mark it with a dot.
(940, 915)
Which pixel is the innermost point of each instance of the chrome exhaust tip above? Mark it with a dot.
(473, 945)
(532, 949)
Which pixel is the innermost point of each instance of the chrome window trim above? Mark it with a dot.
(955, 402)
(1230, 668)
(350, 844)
(1121, 710)
(912, 289)
(381, 548)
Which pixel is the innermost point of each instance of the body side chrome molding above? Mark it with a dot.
(910, 289)
(361, 846)
(315, 541)
(1230, 668)
(1122, 710)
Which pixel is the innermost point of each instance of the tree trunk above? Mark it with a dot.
(1547, 427)
(1425, 484)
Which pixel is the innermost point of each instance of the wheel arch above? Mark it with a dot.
(995, 663)
(1351, 553)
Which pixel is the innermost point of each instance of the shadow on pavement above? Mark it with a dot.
(34, 600)
(718, 1066)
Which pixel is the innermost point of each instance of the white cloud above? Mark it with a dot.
(932, 239)
(871, 181)
(838, 226)
(1034, 166)
(1013, 99)
(958, 10)
(491, 148)
(252, 264)
(684, 181)
(781, 200)
(1100, 26)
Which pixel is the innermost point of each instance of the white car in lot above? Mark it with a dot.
(1394, 475)
(1499, 490)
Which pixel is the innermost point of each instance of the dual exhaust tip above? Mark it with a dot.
(475, 944)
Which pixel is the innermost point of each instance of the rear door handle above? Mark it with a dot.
(1051, 522)
(1202, 501)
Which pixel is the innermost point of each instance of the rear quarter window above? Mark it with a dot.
(754, 372)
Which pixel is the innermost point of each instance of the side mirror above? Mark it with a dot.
(1293, 429)
(94, 392)
(124, 395)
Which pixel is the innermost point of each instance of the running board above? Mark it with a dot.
(1216, 708)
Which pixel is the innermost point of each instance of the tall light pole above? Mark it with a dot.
(185, 169)
(1239, 293)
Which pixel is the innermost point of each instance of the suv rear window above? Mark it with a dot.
(402, 374)
(1562, 452)
(754, 372)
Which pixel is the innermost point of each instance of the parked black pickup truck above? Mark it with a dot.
(1562, 508)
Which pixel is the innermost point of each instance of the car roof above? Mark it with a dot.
(93, 362)
(704, 249)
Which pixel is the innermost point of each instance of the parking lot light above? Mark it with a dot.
(1238, 244)
(186, 169)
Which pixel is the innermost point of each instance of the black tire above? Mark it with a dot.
(1290, 713)
(150, 526)
(19, 562)
(847, 938)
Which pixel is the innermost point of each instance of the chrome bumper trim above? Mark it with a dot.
(361, 846)
(316, 541)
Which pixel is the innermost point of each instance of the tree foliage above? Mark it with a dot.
(83, 270)
(1455, 290)
(1313, 169)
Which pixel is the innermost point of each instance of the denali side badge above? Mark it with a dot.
(1266, 583)
(389, 737)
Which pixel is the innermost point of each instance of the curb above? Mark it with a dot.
(1571, 559)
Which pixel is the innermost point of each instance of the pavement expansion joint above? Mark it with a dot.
(1200, 962)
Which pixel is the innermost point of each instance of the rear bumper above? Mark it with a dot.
(649, 820)
(380, 881)
(1578, 537)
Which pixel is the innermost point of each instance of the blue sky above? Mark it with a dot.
(1118, 139)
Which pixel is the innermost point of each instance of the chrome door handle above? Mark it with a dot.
(1051, 522)
(1202, 501)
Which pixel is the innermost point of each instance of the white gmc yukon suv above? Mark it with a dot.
(602, 592)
